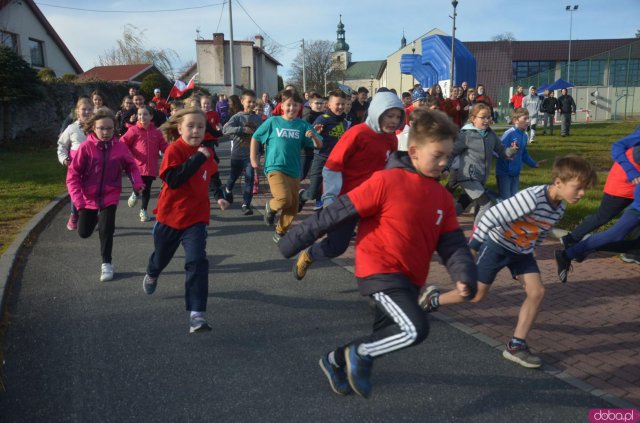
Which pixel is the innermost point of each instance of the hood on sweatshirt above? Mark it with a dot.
(380, 103)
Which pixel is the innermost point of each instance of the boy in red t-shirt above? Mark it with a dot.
(365, 148)
(397, 236)
(183, 212)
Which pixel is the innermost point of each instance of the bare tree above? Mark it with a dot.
(131, 50)
(317, 56)
(505, 36)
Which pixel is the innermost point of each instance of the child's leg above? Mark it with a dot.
(610, 207)
(106, 226)
(529, 310)
(196, 265)
(335, 243)
(627, 222)
(307, 159)
(278, 188)
(484, 203)
(87, 221)
(290, 209)
(315, 179)
(166, 241)
(454, 297)
(146, 191)
(235, 169)
(504, 186)
(249, 177)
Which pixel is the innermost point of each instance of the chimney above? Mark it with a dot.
(218, 38)
(259, 41)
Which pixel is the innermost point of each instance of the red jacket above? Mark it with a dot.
(616, 183)
(450, 107)
(516, 100)
(161, 104)
(145, 146)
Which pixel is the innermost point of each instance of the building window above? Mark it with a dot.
(36, 48)
(245, 77)
(522, 70)
(9, 40)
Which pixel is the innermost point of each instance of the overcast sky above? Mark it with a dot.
(373, 27)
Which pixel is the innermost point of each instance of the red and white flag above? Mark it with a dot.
(179, 87)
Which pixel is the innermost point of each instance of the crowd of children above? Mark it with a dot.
(375, 166)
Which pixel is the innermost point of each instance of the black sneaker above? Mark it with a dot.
(567, 241)
(247, 210)
(227, 196)
(358, 371)
(198, 324)
(426, 296)
(301, 202)
(522, 355)
(336, 376)
(269, 216)
(563, 264)
(149, 284)
(630, 258)
(277, 236)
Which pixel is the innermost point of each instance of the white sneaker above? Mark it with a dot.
(132, 200)
(107, 272)
(144, 216)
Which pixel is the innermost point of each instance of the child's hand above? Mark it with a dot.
(248, 130)
(66, 162)
(514, 146)
(204, 150)
(223, 204)
(635, 181)
(540, 162)
(309, 134)
(463, 289)
(474, 253)
(318, 127)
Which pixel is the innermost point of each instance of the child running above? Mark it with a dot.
(145, 142)
(507, 236)
(508, 171)
(625, 153)
(283, 137)
(397, 236)
(94, 180)
(475, 147)
(241, 127)
(68, 143)
(183, 212)
(362, 150)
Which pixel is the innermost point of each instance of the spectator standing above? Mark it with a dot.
(567, 107)
(548, 107)
(532, 103)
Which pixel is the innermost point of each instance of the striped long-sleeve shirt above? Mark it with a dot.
(520, 222)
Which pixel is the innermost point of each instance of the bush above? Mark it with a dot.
(18, 80)
(151, 82)
(47, 75)
(69, 77)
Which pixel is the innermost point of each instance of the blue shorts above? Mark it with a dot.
(492, 258)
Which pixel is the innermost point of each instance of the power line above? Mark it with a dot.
(131, 11)
(220, 19)
(260, 28)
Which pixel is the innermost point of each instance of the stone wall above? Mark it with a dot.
(39, 122)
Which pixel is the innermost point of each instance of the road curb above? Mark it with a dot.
(10, 260)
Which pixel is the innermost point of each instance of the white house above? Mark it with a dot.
(254, 68)
(24, 28)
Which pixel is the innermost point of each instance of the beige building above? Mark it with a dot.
(254, 68)
(24, 29)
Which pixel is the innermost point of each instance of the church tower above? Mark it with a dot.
(341, 56)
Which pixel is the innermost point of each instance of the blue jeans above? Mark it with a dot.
(507, 186)
(629, 220)
(314, 192)
(196, 265)
(237, 167)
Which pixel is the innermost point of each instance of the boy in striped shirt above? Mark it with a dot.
(507, 235)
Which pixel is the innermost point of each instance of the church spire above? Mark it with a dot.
(403, 41)
(341, 44)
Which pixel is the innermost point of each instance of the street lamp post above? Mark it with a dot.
(454, 3)
(371, 85)
(325, 81)
(570, 10)
(413, 79)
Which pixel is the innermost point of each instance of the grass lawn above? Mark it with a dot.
(31, 177)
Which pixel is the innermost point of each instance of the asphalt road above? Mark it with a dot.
(80, 350)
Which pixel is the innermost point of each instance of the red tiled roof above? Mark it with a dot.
(119, 73)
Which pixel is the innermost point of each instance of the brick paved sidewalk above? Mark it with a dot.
(588, 328)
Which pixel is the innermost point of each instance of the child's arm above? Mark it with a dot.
(64, 145)
(254, 147)
(453, 249)
(178, 175)
(130, 167)
(619, 154)
(74, 178)
(317, 141)
(459, 146)
(234, 126)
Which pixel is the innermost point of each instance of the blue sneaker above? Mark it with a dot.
(358, 371)
(336, 375)
(198, 324)
(318, 206)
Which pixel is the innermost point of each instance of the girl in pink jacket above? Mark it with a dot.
(145, 142)
(94, 181)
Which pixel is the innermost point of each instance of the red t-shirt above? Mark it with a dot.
(188, 204)
(360, 152)
(398, 233)
(616, 183)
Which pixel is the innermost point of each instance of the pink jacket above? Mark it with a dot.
(145, 146)
(94, 178)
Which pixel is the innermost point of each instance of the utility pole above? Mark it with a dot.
(570, 10)
(454, 3)
(231, 55)
(304, 69)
